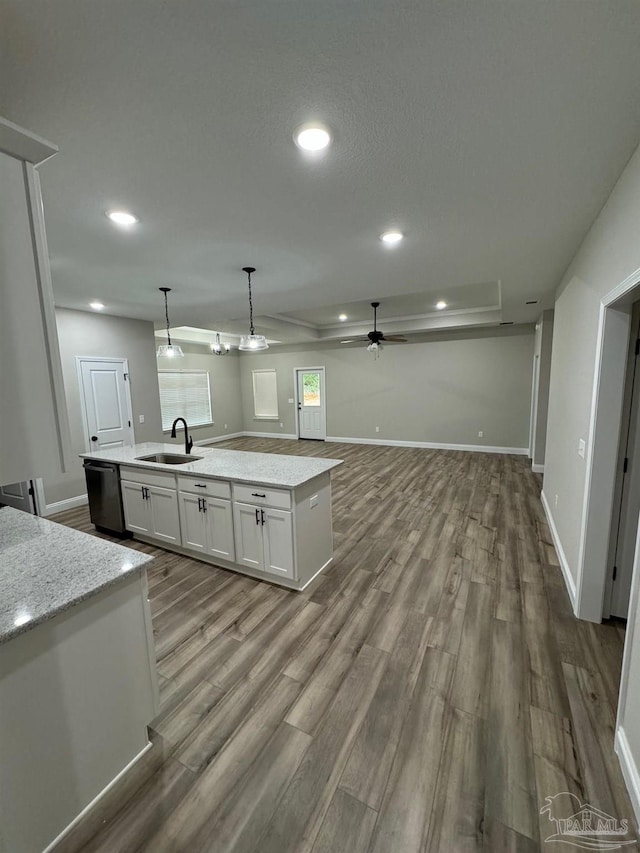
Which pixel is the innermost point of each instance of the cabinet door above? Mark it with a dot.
(137, 509)
(164, 514)
(278, 542)
(192, 522)
(219, 524)
(248, 536)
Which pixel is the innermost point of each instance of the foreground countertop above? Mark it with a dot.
(47, 568)
(240, 466)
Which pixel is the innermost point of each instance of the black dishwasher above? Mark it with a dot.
(105, 498)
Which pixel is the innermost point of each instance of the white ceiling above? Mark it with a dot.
(490, 133)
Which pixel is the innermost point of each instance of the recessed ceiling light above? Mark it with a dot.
(97, 306)
(312, 137)
(440, 305)
(122, 217)
(342, 317)
(391, 238)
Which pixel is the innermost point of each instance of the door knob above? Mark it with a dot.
(94, 438)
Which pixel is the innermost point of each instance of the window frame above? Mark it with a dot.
(210, 422)
(261, 371)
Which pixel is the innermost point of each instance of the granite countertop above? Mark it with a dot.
(47, 568)
(240, 466)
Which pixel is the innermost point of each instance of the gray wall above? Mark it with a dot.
(90, 334)
(444, 389)
(224, 381)
(609, 254)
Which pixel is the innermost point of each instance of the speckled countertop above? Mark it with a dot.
(240, 466)
(46, 568)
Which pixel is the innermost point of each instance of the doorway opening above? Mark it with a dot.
(602, 452)
(626, 500)
(311, 420)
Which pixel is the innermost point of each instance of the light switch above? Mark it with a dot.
(581, 447)
(313, 501)
(141, 419)
(291, 399)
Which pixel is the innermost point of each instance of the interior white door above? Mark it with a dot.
(18, 495)
(107, 404)
(311, 404)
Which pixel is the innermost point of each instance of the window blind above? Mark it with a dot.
(185, 394)
(265, 394)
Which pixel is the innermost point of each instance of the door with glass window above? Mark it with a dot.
(311, 403)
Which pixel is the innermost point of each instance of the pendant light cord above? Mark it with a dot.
(251, 329)
(166, 314)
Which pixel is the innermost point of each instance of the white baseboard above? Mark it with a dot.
(249, 434)
(537, 469)
(204, 441)
(564, 565)
(629, 771)
(430, 445)
(69, 503)
(85, 811)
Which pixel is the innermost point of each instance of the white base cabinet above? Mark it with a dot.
(282, 535)
(264, 539)
(152, 510)
(207, 525)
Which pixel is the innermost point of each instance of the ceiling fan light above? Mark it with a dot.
(169, 351)
(252, 343)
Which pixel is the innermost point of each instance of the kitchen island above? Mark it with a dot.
(77, 674)
(266, 515)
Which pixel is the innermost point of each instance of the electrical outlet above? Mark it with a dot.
(480, 433)
(377, 429)
(226, 426)
(555, 501)
(281, 424)
(141, 419)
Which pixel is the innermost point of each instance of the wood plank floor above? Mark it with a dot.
(426, 693)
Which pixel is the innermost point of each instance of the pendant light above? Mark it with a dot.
(168, 350)
(218, 348)
(252, 342)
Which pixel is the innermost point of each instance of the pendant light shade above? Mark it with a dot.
(252, 342)
(168, 350)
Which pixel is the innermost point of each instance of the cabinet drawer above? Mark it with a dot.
(148, 478)
(204, 486)
(261, 496)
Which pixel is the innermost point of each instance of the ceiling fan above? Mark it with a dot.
(375, 336)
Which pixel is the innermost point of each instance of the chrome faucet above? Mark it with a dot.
(188, 441)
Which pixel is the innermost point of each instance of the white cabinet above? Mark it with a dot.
(282, 535)
(151, 509)
(207, 524)
(264, 539)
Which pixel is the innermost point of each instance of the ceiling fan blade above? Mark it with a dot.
(395, 339)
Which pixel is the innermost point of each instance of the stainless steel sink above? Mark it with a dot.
(168, 458)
